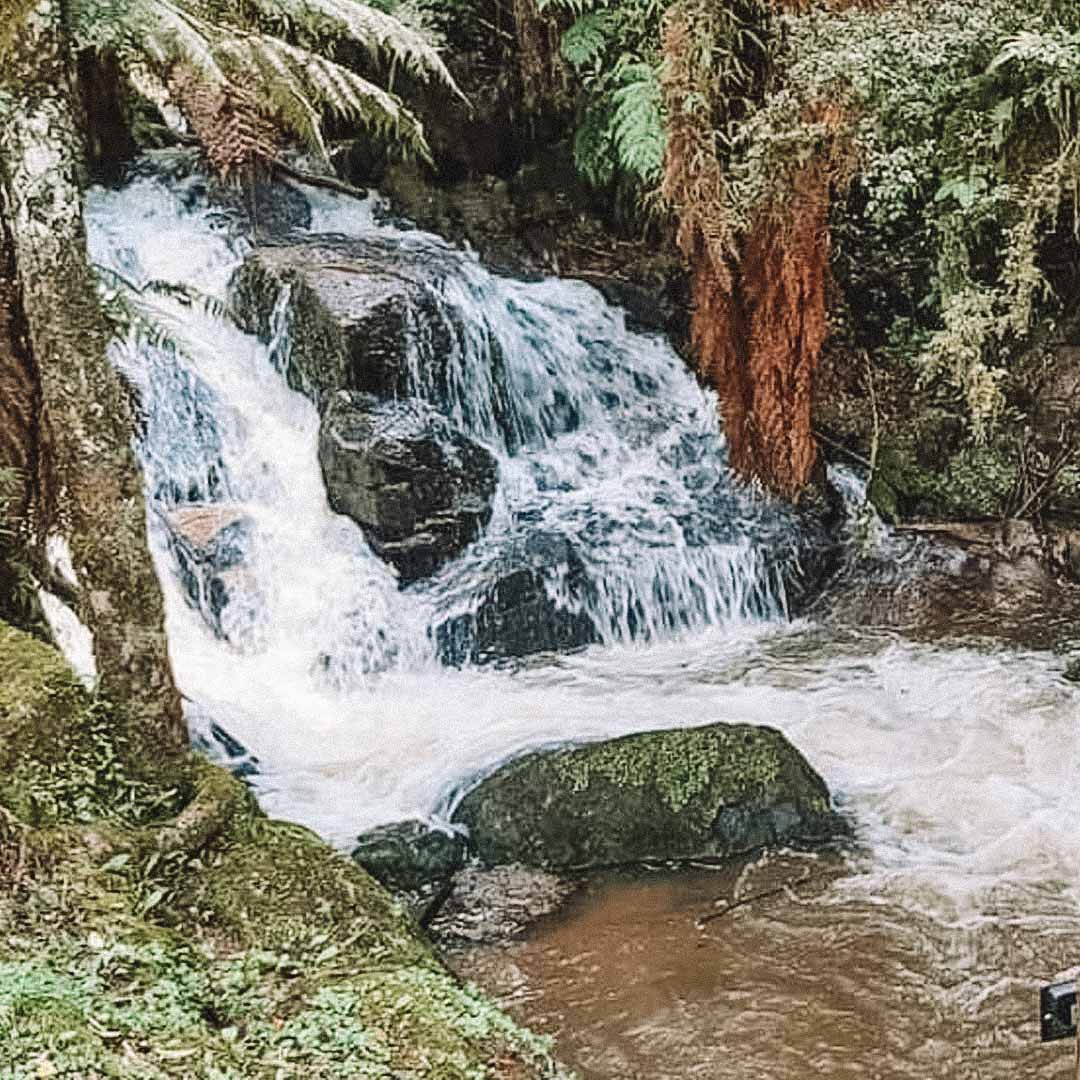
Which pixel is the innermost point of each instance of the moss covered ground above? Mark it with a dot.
(153, 923)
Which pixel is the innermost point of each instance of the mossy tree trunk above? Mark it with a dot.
(97, 501)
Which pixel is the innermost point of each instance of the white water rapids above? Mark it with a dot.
(957, 764)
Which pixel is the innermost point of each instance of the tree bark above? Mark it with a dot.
(98, 496)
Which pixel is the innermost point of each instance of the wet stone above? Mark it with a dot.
(208, 543)
(419, 489)
(414, 861)
(664, 796)
(517, 615)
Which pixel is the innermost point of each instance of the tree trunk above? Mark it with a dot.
(97, 494)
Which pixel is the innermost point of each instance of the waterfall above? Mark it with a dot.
(605, 443)
(956, 762)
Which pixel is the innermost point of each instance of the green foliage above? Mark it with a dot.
(965, 161)
(613, 48)
(277, 50)
(18, 590)
(251, 951)
(137, 316)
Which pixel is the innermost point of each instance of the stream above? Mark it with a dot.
(917, 954)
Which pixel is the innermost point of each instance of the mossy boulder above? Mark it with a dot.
(700, 793)
(157, 924)
(355, 307)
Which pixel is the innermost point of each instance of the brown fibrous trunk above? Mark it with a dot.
(760, 314)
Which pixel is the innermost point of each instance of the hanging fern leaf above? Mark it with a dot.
(299, 86)
(136, 313)
(257, 59)
(638, 123)
(310, 23)
(594, 152)
(576, 8)
(587, 40)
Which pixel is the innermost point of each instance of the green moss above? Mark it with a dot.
(158, 925)
(120, 1007)
(708, 766)
(66, 757)
(278, 886)
(707, 792)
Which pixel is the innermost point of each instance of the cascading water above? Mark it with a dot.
(957, 764)
(603, 439)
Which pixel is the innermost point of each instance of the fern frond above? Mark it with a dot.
(135, 313)
(157, 31)
(312, 22)
(298, 86)
(585, 42)
(594, 155)
(256, 72)
(637, 126)
(576, 8)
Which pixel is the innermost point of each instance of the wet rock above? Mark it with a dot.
(208, 543)
(263, 204)
(542, 222)
(1006, 581)
(496, 904)
(419, 489)
(703, 793)
(516, 614)
(210, 738)
(355, 306)
(414, 861)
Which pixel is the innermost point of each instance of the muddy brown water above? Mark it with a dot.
(643, 978)
(917, 955)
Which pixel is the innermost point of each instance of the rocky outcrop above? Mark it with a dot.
(704, 793)
(498, 904)
(516, 615)
(354, 306)
(414, 861)
(1008, 581)
(419, 489)
(208, 542)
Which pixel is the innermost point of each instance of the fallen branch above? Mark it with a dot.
(786, 889)
(314, 179)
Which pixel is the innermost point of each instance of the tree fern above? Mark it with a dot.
(587, 40)
(269, 49)
(312, 22)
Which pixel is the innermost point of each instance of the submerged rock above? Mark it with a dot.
(419, 489)
(496, 904)
(414, 861)
(517, 614)
(702, 793)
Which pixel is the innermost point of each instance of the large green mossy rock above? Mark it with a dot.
(700, 793)
(157, 925)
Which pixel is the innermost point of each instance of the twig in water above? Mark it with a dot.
(786, 889)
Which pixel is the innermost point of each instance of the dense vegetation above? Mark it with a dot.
(890, 184)
(877, 206)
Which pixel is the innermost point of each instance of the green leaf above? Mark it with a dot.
(587, 40)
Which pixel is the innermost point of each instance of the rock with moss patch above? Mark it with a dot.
(702, 793)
